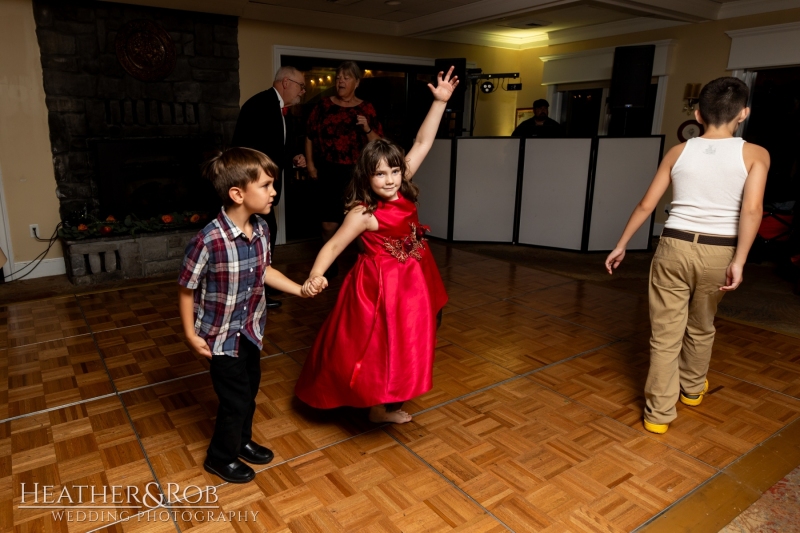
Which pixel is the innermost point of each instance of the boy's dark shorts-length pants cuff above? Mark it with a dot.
(236, 381)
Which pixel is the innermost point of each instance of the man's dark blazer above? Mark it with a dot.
(260, 127)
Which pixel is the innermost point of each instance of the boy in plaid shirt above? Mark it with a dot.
(223, 306)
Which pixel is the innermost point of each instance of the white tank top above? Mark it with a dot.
(707, 186)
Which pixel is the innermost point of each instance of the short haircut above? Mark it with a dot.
(722, 99)
(286, 72)
(349, 67)
(236, 167)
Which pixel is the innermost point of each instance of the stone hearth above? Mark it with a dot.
(96, 260)
(116, 114)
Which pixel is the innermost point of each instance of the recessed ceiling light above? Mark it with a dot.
(393, 3)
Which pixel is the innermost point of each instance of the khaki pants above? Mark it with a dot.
(685, 278)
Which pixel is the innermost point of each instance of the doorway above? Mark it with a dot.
(401, 98)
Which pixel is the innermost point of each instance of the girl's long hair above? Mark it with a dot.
(359, 191)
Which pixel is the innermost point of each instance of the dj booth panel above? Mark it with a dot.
(485, 189)
(624, 170)
(553, 201)
(433, 180)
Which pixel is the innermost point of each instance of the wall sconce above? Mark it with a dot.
(691, 97)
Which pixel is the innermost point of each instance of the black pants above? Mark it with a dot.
(235, 381)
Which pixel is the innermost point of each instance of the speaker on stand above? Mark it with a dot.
(628, 95)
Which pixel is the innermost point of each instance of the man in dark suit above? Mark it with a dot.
(262, 126)
(540, 125)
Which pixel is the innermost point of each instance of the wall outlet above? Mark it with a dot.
(34, 230)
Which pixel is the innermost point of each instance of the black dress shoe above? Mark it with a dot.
(256, 453)
(236, 472)
(273, 304)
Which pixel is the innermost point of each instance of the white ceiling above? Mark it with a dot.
(499, 23)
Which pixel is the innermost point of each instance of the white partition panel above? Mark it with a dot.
(625, 168)
(486, 183)
(433, 180)
(554, 192)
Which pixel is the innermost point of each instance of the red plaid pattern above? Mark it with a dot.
(226, 269)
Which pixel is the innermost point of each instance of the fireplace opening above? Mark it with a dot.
(151, 177)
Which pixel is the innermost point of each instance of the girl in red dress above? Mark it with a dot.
(376, 348)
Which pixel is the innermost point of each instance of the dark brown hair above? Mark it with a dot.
(722, 99)
(359, 191)
(236, 167)
(349, 67)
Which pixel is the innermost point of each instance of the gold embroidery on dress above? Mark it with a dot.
(409, 246)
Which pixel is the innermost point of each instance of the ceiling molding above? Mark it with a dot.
(489, 39)
(318, 19)
(742, 8)
(683, 10)
(609, 29)
(449, 25)
(475, 12)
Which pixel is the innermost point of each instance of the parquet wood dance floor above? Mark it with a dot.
(533, 424)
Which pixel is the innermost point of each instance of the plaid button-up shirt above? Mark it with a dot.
(228, 269)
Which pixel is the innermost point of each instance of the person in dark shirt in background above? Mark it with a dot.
(540, 125)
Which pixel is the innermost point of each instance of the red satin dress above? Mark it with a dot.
(377, 345)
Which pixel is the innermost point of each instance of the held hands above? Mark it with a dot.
(313, 286)
(198, 345)
(361, 120)
(444, 86)
(733, 277)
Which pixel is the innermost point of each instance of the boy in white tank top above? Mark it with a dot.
(718, 189)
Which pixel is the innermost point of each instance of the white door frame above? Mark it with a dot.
(5, 237)
(280, 50)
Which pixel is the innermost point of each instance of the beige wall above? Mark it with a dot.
(496, 111)
(700, 54)
(26, 163)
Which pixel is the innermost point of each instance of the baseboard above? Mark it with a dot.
(48, 267)
(657, 229)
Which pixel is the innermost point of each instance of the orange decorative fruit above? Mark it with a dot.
(166, 219)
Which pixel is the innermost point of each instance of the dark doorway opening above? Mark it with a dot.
(774, 123)
(581, 112)
(401, 99)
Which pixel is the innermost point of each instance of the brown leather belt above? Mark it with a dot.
(701, 239)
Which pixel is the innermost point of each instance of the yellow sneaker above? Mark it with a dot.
(655, 428)
(694, 399)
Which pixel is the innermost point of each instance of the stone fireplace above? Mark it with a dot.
(136, 96)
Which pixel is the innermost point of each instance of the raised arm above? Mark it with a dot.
(427, 132)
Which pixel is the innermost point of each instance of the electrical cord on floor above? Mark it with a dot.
(50, 242)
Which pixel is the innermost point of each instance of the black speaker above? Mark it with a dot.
(630, 77)
(456, 102)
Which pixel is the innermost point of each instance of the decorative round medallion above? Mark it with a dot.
(145, 50)
(689, 130)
